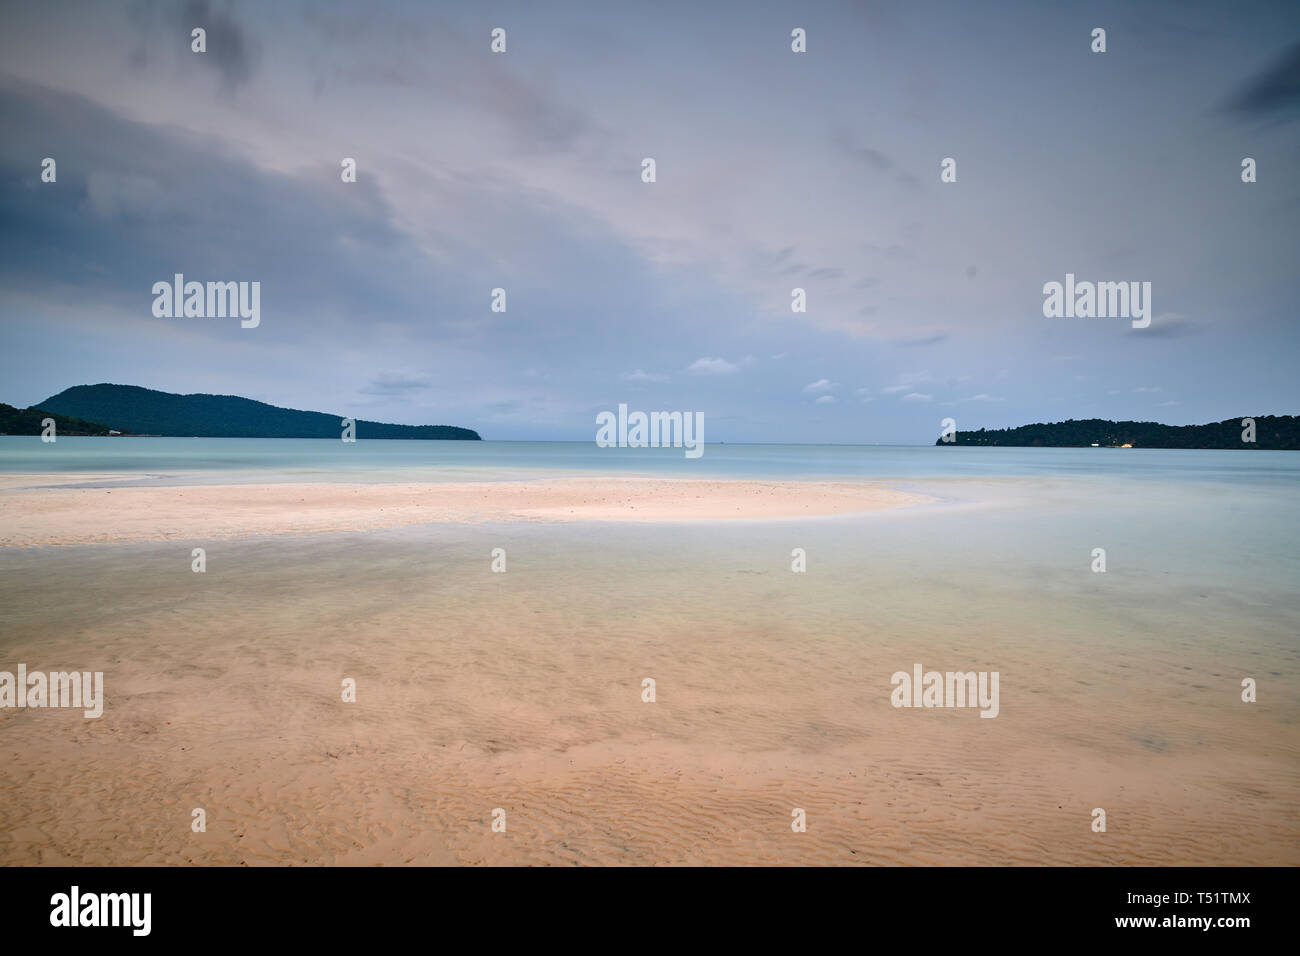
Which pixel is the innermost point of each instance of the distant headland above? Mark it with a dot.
(1275, 432)
(132, 410)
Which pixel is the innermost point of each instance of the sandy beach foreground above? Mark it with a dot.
(34, 515)
(518, 692)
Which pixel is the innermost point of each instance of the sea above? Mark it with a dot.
(1130, 599)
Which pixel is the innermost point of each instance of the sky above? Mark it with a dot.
(775, 170)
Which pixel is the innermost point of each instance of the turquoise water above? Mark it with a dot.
(273, 459)
(1119, 690)
(1205, 514)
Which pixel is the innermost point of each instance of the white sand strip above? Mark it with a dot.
(51, 516)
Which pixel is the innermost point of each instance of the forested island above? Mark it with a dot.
(1270, 432)
(28, 421)
(133, 410)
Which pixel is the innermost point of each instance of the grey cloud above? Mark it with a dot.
(397, 55)
(1274, 91)
(1166, 327)
(396, 383)
(136, 203)
(871, 157)
(229, 47)
(874, 158)
(921, 341)
(892, 251)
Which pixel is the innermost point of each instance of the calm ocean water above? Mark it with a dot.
(260, 459)
(1118, 690)
(1204, 516)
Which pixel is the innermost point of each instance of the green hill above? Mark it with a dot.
(27, 421)
(145, 411)
(1271, 432)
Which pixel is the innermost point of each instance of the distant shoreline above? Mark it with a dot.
(1262, 432)
(136, 411)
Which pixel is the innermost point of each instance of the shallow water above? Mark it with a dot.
(476, 690)
(305, 459)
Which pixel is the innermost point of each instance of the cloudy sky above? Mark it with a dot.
(775, 170)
